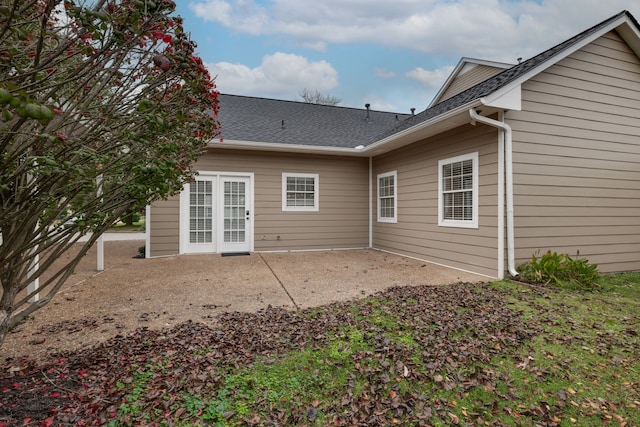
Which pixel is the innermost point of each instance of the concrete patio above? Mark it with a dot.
(161, 292)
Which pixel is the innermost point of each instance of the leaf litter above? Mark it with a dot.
(420, 345)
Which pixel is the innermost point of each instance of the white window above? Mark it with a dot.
(387, 199)
(300, 192)
(458, 191)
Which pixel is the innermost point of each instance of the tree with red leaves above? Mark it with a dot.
(104, 107)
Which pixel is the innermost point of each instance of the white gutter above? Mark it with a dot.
(508, 168)
(290, 148)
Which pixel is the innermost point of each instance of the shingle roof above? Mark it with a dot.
(245, 118)
(289, 122)
(496, 82)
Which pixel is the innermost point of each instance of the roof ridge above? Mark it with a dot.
(311, 103)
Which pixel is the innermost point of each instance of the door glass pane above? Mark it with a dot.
(200, 212)
(234, 212)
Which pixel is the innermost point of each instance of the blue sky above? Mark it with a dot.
(393, 54)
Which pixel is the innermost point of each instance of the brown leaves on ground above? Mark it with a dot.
(458, 329)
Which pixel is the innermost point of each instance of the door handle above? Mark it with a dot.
(247, 213)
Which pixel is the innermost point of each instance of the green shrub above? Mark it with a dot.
(562, 271)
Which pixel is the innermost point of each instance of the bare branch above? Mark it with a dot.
(318, 98)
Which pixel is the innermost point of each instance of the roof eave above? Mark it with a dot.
(280, 147)
(630, 33)
(438, 124)
(504, 100)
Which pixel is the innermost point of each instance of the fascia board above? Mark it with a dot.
(511, 100)
(631, 34)
(450, 79)
(288, 148)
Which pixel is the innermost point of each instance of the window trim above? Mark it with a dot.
(473, 223)
(316, 192)
(393, 219)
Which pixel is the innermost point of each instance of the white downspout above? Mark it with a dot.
(371, 207)
(508, 160)
(500, 201)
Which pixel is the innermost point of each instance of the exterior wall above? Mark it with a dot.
(164, 226)
(342, 219)
(416, 232)
(469, 79)
(577, 158)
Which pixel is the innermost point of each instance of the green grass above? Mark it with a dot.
(121, 227)
(580, 367)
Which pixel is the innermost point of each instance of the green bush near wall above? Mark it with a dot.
(562, 271)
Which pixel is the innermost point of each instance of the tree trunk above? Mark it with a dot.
(128, 219)
(4, 325)
(6, 303)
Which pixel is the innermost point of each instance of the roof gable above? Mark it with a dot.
(461, 79)
(507, 82)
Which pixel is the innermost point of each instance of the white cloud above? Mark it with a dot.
(379, 104)
(279, 75)
(433, 79)
(384, 74)
(491, 29)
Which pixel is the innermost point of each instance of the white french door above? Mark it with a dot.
(216, 212)
(236, 214)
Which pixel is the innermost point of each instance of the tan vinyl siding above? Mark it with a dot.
(470, 78)
(342, 219)
(164, 227)
(417, 233)
(577, 158)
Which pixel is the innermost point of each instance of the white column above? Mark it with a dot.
(100, 242)
(35, 284)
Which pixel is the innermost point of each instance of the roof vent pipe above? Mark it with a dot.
(413, 111)
(282, 125)
(368, 118)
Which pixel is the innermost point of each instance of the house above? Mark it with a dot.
(508, 161)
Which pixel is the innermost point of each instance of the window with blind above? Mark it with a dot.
(300, 192)
(458, 191)
(387, 199)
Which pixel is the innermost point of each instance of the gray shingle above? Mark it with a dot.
(245, 118)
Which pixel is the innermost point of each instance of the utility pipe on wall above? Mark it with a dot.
(508, 160)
